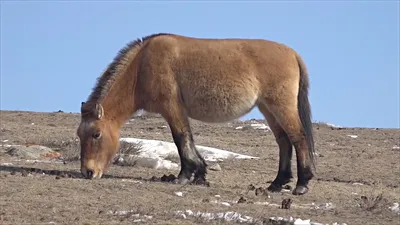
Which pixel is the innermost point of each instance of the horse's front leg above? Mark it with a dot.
(191, 160)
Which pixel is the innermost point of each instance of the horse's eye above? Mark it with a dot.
(96, 135)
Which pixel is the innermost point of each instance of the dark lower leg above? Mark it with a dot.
(285, 150)
(285, 155)
(304, 172)
(191, 160)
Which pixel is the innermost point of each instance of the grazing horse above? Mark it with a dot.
(210, 80)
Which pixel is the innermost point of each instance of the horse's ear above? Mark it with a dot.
(82, 107)
(99, 111)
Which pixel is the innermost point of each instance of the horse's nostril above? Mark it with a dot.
(89, 173)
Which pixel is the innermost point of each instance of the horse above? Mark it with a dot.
(209, 80)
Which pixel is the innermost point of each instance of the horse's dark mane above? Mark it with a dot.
(105, 81)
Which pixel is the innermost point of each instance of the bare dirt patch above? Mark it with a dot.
(357, 178)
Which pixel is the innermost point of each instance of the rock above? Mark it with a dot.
(286, 203)
(241, 200)
(32, 152)
(251, 187)
(215, 167)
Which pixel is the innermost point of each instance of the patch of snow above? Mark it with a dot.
(5, 141)
(132, 181)
(142, 218)
(154, 162)
(120, 212)
(227, 216)
(255, 126)
(6, 164)
(356, 183)
(298, 221)
(225, 204)
(155, 149)
(217, 196)
(396, 147)
(301, 222)
(259, 126)
(352, 136)
(41, 161)
(231, 216)
(333, 125)
(325, 206)
(178, 193)
(395, 208)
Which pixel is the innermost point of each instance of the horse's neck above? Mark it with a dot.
(119, 104)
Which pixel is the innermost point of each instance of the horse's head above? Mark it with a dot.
(99, 140)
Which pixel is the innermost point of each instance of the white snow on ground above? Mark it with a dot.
(259, 126)
(154, 154)
(231, 216)
(352, 136)
(130, 213)
(395, 208)
(255, 126)
(163, 149)
(333, 125)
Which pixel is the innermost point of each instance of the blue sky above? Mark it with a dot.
(53, 51)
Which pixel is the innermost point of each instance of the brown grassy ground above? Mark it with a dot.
(38, 198)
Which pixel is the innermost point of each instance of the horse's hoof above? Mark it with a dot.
(274, 188)
(300, 190)
(201, 181)
(181, 180)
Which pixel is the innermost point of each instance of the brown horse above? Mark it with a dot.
(210, 80)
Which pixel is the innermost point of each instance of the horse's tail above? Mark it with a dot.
(304, 108)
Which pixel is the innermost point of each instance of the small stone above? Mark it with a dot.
(154, 178)
(57, 177)
(260, 191)
(288, 187)
(24, 173)
(286, 203)
(13, 173)
(251, 187)
(215, 167)
(206, 200)
(241, 200)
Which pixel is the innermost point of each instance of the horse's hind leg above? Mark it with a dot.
(191, 160)
(285, 151)
(286, 113)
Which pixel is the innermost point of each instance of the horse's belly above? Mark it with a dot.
(219, 105)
